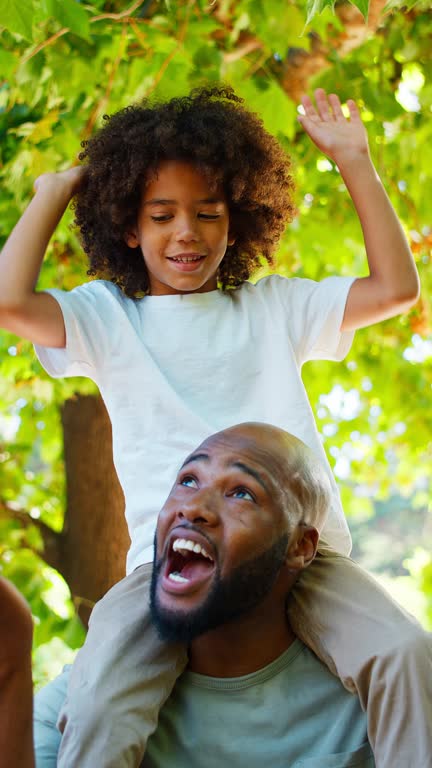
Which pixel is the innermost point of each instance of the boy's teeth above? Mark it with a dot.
(186, 259)
(177, 577)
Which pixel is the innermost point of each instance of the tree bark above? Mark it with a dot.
(94, 541)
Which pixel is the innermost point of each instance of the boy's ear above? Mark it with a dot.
(231, 238)
(131, 239)
(302, 547)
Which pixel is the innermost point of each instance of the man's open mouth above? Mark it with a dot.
(188, 564)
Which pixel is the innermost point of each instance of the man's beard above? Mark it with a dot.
(227, 600)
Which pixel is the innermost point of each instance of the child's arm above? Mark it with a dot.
(392, 285)
(24, 311)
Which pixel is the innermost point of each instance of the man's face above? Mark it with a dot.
(221, 538)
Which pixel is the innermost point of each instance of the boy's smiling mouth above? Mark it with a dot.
(186, 258)
(187, 262)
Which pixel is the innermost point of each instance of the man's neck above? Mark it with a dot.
(244, 646)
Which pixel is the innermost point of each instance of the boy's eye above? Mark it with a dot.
(189, 482)
(168, 216)
(243, 493)
(165, 217)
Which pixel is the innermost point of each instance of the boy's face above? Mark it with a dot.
(182, 230)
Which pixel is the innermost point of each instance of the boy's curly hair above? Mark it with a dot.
(209, 129)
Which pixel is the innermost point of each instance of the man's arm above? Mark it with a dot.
(35, 315)
(16, 690)
(392, 285)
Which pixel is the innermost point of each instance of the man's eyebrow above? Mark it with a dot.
(252, 472)
(166, 201)
(196, 457)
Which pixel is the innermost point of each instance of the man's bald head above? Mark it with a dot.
(301, 479)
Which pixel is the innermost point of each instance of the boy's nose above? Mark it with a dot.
(187, 230)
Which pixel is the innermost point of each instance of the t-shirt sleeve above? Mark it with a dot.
(315, 312)
(88, 314)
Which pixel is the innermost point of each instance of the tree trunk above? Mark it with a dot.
(94, 540)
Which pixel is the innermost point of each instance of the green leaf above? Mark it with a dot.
(69, 13)
(277, 25)
(8, 63)
(266, 97)
(17, 17)
(363, 6)
(313, 7)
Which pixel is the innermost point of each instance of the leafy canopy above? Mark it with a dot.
(63, 64)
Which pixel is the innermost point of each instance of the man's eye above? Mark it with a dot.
(189, 482)
(243, 493)
(165, 217)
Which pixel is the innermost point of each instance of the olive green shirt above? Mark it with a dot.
(293, 713)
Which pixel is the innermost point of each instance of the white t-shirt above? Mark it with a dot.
(173, 370)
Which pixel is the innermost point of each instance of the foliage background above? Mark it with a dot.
(63, 64)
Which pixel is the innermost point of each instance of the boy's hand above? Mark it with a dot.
(392, 285)
(342, 140)
(71, 179)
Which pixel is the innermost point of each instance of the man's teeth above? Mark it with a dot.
(174, 576)
(186, 545)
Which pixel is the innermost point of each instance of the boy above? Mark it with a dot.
(176, 204)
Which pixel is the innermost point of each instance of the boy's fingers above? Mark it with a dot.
(336, 105)
(353, 109)
(308, 107)
(323, 105)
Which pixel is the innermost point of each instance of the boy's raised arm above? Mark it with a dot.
(35, 315)
(392, 285)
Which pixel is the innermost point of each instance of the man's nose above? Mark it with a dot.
(200, 508)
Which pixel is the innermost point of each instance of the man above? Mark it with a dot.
(240, 524)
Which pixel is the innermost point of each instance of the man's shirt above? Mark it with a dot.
(293, 713)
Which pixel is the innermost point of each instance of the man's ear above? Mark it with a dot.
(131, 238)
(302, 547)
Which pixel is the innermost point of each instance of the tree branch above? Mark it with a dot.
(52, 541)
(122, 16)
(100, 106)
(180, 41)
(301, 65)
